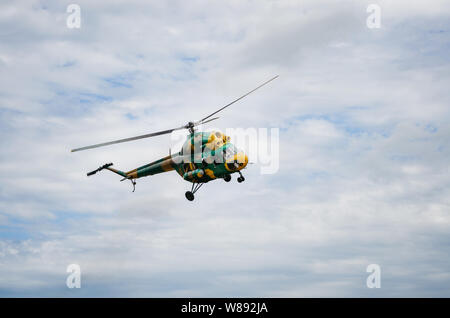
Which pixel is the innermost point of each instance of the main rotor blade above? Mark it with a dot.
(190, 125)
(201, 122)
(238, 99)
(163, 132)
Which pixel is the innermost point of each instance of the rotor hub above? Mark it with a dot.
(190, 126)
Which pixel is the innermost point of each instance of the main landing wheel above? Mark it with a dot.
(227, 178)
(189, 195)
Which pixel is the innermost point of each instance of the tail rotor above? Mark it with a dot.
(99, 169)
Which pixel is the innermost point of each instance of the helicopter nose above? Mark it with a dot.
(237, 162)
(242, 160)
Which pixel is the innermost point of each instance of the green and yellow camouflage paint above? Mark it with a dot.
(205, 156)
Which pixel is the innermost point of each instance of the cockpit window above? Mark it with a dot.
(229, 152)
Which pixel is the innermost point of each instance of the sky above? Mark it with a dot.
(364, 143)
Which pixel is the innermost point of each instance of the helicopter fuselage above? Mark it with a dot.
(205, 156)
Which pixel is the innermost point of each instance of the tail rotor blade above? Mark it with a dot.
(99, 169)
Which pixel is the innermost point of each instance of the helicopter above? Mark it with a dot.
(204, 156)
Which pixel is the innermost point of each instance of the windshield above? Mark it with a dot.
(230, 151)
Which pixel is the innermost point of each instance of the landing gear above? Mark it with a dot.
(241, 178)
(134, 184)
(227, 178)
(190, 194)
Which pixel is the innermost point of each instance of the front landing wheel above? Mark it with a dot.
(189, 195)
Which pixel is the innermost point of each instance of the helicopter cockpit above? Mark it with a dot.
(229, 152)
(234, 158)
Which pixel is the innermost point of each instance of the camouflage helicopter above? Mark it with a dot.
(204, 156)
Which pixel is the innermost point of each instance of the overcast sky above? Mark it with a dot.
(363, 175)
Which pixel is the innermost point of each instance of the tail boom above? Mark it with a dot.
(155, 167)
